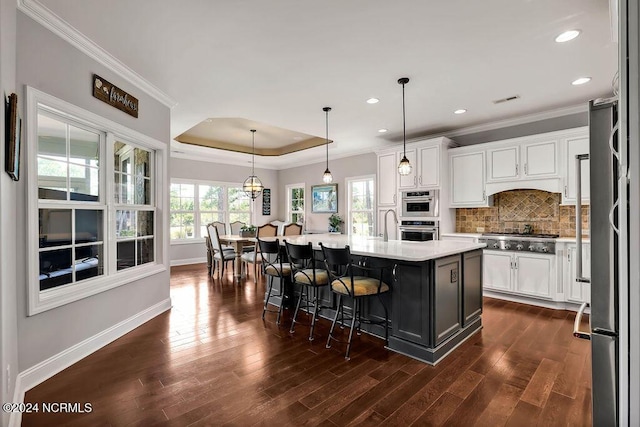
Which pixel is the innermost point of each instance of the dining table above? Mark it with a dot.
(237, 242)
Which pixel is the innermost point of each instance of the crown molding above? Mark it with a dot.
(515, 121)
(57, 25)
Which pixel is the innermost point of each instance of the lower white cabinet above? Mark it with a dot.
(575, 291)
(524, 273)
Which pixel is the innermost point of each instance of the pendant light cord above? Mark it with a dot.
(404, 125)
(327, 127)
(253, 151)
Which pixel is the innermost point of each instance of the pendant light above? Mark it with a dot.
(404, 168)
(327, 177)
(252, 185)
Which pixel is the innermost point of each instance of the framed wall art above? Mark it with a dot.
(13, 125)
(324, 198)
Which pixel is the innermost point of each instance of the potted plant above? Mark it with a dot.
(189, 232)
(334, 223)
(248, 231)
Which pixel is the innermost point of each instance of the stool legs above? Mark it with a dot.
(266, 301)
(333, 324)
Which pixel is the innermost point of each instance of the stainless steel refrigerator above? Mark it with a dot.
(604, 171)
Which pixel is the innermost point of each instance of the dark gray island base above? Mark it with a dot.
(434, 304)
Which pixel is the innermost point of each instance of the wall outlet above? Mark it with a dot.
(480, 229)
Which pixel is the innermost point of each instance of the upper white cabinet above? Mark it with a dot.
(425, 171)
(519, 160)
(411, 180)
(387, 175)
(574, 145)
(467, 178)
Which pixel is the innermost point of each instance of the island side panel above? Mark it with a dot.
(472, 286)
(447, 303)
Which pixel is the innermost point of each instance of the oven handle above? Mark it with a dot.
(428, 230)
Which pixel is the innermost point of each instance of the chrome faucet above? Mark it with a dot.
(385, 236)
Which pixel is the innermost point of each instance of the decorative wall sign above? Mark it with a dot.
(266, 201)
(12, 124)
(114, 96)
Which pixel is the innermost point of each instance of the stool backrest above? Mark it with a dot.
(300, 255)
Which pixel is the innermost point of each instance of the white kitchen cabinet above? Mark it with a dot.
(503, 163)
(411, 180)
(392, 226)
(573, 146)
(521, 273)
(425, 168)
(539, 159)
(467, 179)
(575, 291)
(521, 160)
(497, 270)
(387, 175)
(535, 274)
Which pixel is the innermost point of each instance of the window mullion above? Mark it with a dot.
(109, 228)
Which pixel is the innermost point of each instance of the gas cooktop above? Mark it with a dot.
(532, 235)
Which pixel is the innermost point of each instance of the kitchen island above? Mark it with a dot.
(435, 301)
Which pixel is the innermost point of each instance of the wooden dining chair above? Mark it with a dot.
(236, 226)
(253, 257)
(220, 254)
(292, 229)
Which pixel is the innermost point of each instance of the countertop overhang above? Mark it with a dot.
(393, 249)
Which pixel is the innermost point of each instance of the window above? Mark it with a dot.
(194, 204)
(295, 203)
(360, 205)
(92, 203)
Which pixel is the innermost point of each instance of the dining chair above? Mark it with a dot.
(310, 279)
(345, 283)
(274, 265)
(267, 230)
(222, 230)
(236, 226)
(219, 253)
(292, 229)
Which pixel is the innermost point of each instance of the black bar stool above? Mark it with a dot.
(272, 266)
(310, 279)
(345, 284)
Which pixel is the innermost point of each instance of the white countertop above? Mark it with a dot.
(461, 234)
(393, 249)
(571, 240)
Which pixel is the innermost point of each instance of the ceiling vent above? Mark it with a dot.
(507, 99)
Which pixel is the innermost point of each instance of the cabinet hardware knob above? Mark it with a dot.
(525, 168)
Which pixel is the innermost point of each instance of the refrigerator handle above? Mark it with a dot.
(579, 159)
(576, 324)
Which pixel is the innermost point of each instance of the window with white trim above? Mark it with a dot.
(295, 203)
(194, 204)
(361, 206)
(91, 191)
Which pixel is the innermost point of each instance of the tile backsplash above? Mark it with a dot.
(511, 210)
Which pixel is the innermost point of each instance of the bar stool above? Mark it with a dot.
(310, 279)
(272, 266)
(345, 284)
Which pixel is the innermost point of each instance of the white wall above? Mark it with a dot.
(209, 171)
(364, 164)
(53, 66)
(8, 215)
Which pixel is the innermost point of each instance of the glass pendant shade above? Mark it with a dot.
(404, 168)
(327, 178)
(253, 186)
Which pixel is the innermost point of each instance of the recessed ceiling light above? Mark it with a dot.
(460, 111)
(581, 81)
(373, 101)
(297, 138)
(567, 35)
(383, 130)
(209, 120)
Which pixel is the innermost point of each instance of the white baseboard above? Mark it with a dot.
(556, 305)
(44, 370)
(188, 261)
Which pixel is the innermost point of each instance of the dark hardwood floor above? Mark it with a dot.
(211, 360)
